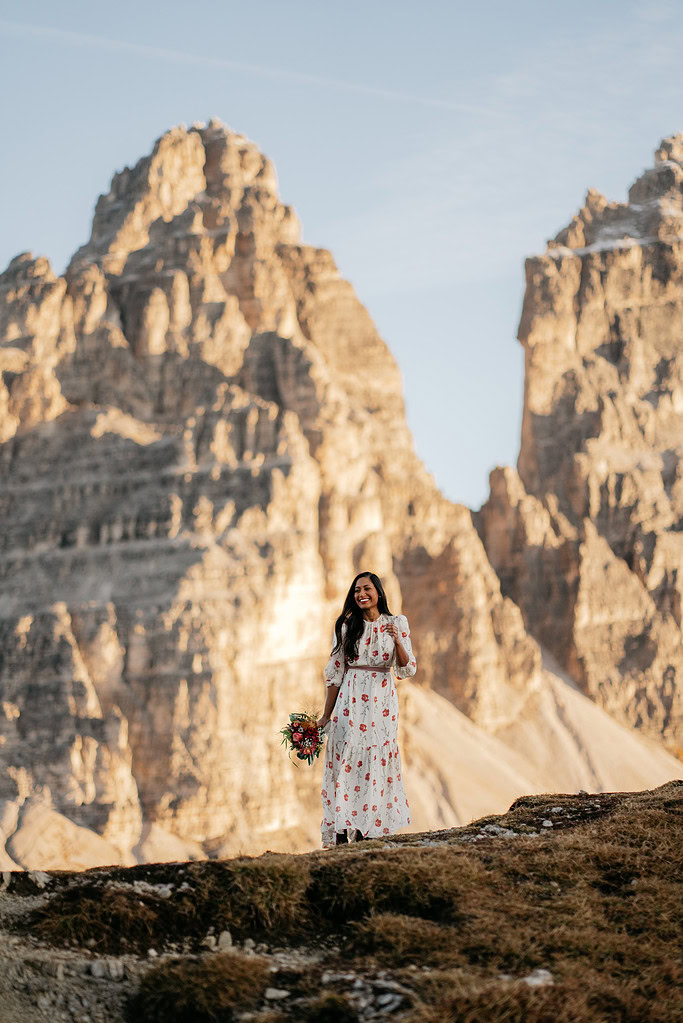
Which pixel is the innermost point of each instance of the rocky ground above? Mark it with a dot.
(567, 907)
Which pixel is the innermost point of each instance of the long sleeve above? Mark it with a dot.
(404, 635)
(334, 672)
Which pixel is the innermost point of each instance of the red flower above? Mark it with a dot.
(390, 780)
(385, 657)
(357, 788)
(346, 796)
(386, 831)
(386, 712)
(336, 664)
(375, 699)
(382, 628)
(348, 768)
(393, 717)
(365, 806)
(363, 728)
(297, 737)
(353, 699)
(384, 683)
(404, 634)
(335, 719)
(325, 793)
(365, 697)
(375, 630)
(346, 712)
(378, 821)
(354, 813)
(359, 764)
(337, 808)
(367, 776)
(384, 763)
(350, 723)
(367, 641)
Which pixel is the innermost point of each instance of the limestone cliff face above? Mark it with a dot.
(587, 537)
(202, 439)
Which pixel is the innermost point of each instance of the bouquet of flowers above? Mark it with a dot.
(303, 737)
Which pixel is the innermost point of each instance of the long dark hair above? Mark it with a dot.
(352, 616)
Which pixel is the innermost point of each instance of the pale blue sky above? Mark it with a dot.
(430, 145)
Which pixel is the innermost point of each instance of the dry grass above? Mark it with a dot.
(206, 990)
(598, 903)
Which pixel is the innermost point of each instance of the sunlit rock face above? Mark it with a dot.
(202, 439)
(587, 537)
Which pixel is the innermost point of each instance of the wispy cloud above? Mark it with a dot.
(70, 38)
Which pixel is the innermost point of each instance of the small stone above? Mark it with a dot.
(538, 978)
(98, 968)
(116, 969)
(152, 953)
(547, 824)
(209, 942)
(225, 940)
(248, 945)
(274, 993)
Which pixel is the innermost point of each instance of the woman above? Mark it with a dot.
(362, 791)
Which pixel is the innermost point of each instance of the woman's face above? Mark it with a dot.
(365, 593)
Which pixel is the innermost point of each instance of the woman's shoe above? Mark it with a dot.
(342, 838)
(359, 836)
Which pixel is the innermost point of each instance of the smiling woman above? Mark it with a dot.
(362, 790)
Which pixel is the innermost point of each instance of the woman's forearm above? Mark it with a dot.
(401, 654)
(330, 700)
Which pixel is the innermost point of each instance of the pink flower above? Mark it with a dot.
(363, 728)
(386, 712)
(348, 768)
(374, 809)
(297, 737)
(386, 831)
(378, 821)
(337, 808)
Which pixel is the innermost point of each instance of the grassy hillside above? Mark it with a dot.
(566, 908)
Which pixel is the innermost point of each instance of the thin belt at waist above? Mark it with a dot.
(367, 667)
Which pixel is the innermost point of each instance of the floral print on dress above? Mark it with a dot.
(362, 756)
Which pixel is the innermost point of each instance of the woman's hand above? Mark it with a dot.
(392, 630)
(321, 722)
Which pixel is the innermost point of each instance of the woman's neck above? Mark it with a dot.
(372, 614)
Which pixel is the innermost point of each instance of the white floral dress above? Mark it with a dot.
(362, 787)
